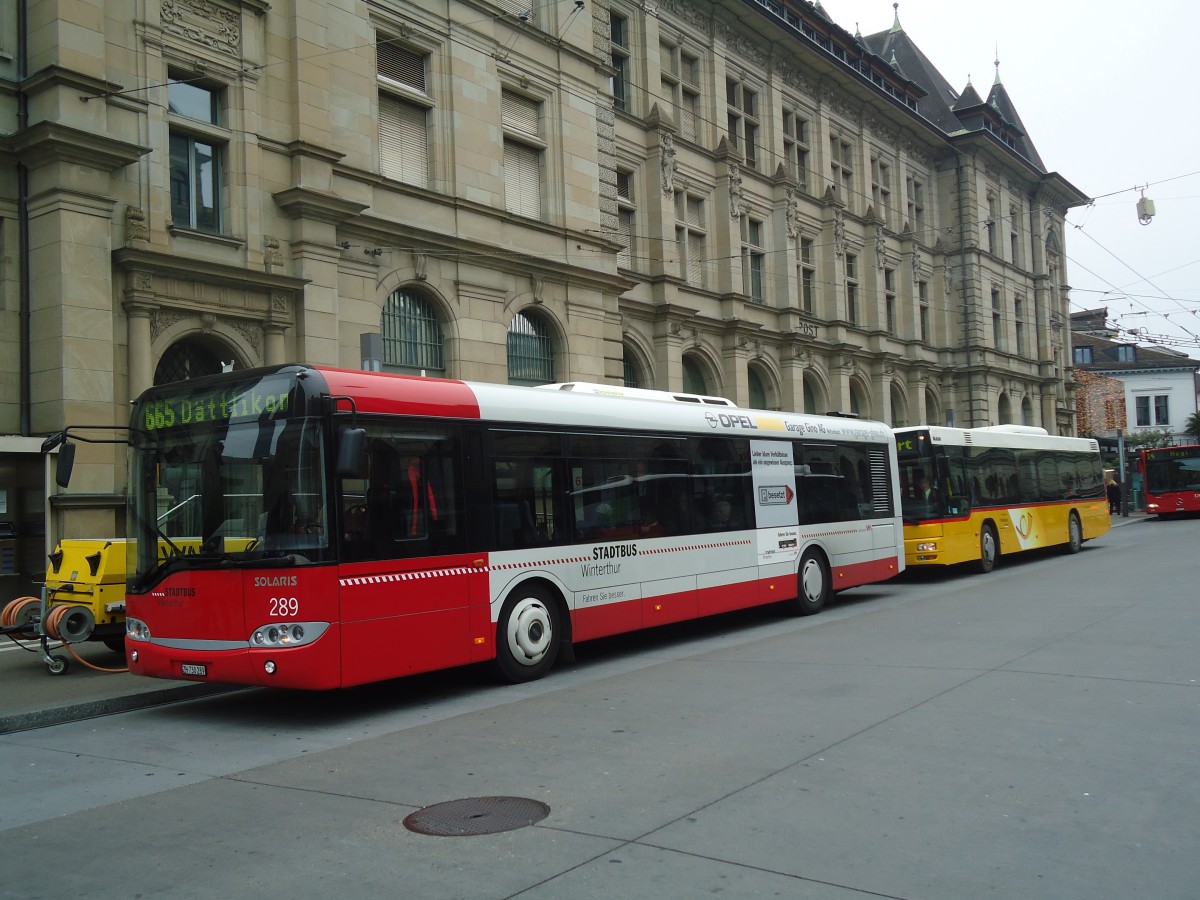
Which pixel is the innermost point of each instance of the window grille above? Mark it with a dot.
(412, 335)
(530, 352)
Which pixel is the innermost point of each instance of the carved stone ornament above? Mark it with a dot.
(203, 22)
(420, 266)
(790, 215)
(668, 163)
(839, 233)
(272, 258)
(881, 252)
(735, 191)
(135, 225)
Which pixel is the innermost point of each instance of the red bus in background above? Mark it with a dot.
(311, 527)
(1171, 479)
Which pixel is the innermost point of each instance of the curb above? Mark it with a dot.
(43, 718)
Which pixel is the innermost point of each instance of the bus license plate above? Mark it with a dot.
(194, 669)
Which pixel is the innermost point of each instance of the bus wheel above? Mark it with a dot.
(1074, 534)
(814, 586)
(989, 548)
(528, 634)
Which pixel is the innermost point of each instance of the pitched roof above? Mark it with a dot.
(1104, 356)
(953, 112)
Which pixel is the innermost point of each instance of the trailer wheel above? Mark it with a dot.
(56, 664)
(528, 634)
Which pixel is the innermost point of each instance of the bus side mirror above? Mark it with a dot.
(352, 453)
(66, 462)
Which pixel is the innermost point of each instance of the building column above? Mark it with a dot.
(141, 357)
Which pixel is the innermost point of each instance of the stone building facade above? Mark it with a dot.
(736, 197)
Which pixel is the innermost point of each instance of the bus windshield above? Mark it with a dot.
(920, 496)
(219, 491)
(1173, 469)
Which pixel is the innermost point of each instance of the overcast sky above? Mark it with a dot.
(1106, 91)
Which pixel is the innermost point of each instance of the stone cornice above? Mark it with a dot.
(305, 203)
(51, 142)
(131, 258)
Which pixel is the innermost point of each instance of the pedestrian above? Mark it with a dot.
(1112, 487)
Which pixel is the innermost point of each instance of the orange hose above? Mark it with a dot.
(13, 608)
(80, 659)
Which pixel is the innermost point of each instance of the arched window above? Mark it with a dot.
(634, 375)
(530, 351)
(1004, 410)
(693, 377)
(412, 335)
(1027, 412)
(810, 397)
(933, 409)
(186, 359)
(899, 408)
(758, 391)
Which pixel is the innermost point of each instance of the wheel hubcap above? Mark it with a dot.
(529, 632)
(812, 580)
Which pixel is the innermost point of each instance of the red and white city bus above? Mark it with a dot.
(312, 527)
(1171, 479)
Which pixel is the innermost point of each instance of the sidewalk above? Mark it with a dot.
(32, 698)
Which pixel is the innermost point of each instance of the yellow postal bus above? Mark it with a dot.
(975, 494)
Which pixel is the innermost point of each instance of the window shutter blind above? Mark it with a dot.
(403, 141)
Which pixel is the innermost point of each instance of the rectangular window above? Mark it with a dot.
(1162, 413)
(618, 37)
(808, 276)
(1014, 224)
(1124, 353)
(1019, 322)
(626, 215)
(841, 168)
(690, 238)
(852, 288)
(916, 206)
(796, 147)
(923, 308)
(889, 299)
(881, 189)
(403, 113)
(993, 223)
(523, 150)
(1082, 356)
(753, 259)
(681, 82)
(997, 321)
(742, 114)
(197, 144)
(1153, 410)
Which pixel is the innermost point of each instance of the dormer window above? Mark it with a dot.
(1124, 353)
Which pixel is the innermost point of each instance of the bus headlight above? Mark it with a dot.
(928, 547)
(287, 634)
(136, 630)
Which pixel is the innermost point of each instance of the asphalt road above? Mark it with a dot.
(1031, 733)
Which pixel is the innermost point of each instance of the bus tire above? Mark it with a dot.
(528, 634)
(1074, 533)
(989, 548)
(814, 587)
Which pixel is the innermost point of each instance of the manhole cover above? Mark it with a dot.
(476, 815)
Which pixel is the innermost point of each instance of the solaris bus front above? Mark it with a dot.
(230, 575)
